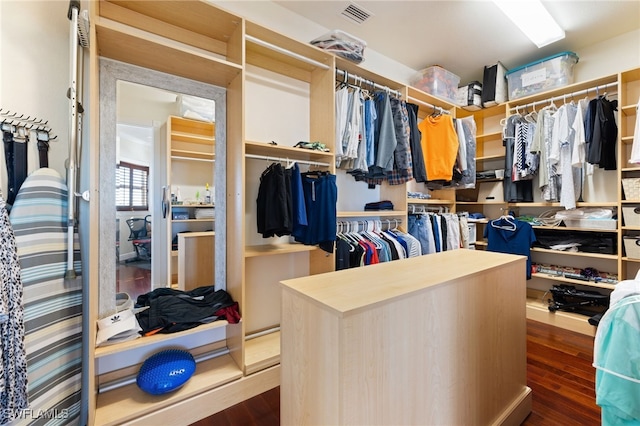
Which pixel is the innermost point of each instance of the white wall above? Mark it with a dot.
(34, 69)
(284, 21)
(608, 57)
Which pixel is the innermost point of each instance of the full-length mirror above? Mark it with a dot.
(161, 196)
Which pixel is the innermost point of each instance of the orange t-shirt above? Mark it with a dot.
(439, 146)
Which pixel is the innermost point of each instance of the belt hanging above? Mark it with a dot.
(43, 148)
(15, 153)
(7, 138)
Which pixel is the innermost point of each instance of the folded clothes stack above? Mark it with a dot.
(379, 205)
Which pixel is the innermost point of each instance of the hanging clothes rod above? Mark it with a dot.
(346, 75)
(346, 225)
(286, 52)
(428, 105)
(282, 160)
(595, 89)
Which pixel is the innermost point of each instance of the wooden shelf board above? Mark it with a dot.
(630, 169)
(538, 311)
(491, 135)
(126, 44)
(261, 352)
(377, 213)
(177, 206)
(631, 228)
(629, 201)
(484, 112)
(474, 203)
(192, 220)
(580, 204)
(148, 340)
(630, 259)
(279, 62)
(201, 25)
(572, 281)
(481, 243)
(575, 253)
(192, 138)
(627, 140)
(542, 96)
(628, 110)
(280, 151)
(428, 201)
(490, 157)
(183, 154)
(121, 405)
(489, 180)
(273, 249)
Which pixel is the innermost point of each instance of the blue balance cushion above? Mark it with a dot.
(165, 371)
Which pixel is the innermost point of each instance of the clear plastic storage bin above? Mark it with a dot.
(542, 75)
(438, 82)
(342, 44)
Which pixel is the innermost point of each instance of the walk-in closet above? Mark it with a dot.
(376, 240)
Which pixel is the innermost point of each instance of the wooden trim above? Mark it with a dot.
(207, 403)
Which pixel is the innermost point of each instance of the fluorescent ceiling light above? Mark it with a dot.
(533, 20)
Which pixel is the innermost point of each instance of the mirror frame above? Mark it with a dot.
(110, 72)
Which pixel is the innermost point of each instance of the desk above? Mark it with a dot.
(196, 264)
(438, 339)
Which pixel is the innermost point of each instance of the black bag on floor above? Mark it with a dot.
(569, 299)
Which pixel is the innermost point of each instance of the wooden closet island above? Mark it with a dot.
(437, 339)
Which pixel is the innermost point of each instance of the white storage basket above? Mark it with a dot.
(631, 187)
(632, 247)
(631, 216)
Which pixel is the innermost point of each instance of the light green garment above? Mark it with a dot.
(617, 363)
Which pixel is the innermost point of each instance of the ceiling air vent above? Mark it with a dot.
(355, 13)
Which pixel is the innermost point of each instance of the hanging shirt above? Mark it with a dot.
(561, 152)
(384, 137)
(403, 167)
(439, 146)
(342, 107)
(370, 117)
(419, 171)
(510, 236)
(616, 357)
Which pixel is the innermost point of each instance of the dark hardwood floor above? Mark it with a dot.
(559, 372)
(133, 278)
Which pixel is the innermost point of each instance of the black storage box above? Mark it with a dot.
(494, 85)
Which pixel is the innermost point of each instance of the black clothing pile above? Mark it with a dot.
(379, 205)
(589, 242)
(170, 310)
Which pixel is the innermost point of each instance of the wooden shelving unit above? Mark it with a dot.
(376, 213)
(276, 249)
(130, 402)
(262, 352)
(207, 44)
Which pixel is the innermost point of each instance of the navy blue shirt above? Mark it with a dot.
(503, 238)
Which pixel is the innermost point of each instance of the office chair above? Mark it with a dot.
(140, 237)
